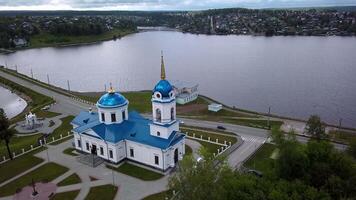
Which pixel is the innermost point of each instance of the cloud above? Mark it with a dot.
(159, 4)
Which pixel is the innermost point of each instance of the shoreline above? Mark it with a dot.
(75, 93)
(60, 45)
(156, 28)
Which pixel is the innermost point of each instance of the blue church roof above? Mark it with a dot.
(135, 129)
(163, 87)
(111, 100)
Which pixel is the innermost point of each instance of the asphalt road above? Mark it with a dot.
(253, 138)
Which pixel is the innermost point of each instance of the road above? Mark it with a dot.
(253, 138)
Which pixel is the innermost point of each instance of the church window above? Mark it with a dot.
(101, 151)
(111, 153)
(103, 117)
(132, 154)
(158, 133)
(158, 95)
(156, 160)
(79, 144)
(172, 114)
(158, 115)
(123, 115)
(113, 117)
(87, 145)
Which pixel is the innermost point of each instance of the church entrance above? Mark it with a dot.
(176, 156)
(93, 150)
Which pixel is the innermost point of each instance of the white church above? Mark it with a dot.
(115, 134)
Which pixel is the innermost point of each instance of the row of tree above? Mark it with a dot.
(311, 171)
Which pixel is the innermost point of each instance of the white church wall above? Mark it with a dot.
(117, 111)
(144, 154)
(164, 132)
(165, 109)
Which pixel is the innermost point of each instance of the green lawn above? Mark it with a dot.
(212, 148)
(159, 196)
(46, 39)
(261, 160)
(18, 143)
(69, 151)
(46, 114)
(139, 101)
(46, 172)
(188, 150)
(137, 172)
(17, 166)
(103, 192)
(213, 137)
(70, 180)
(66, 195)
(62, 129)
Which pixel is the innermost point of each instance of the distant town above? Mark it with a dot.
(36, 29)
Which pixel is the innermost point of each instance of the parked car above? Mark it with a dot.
(221, 127)
(181, 122)
(255, 172)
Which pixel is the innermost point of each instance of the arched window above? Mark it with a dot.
(158, 115)
(172, 114)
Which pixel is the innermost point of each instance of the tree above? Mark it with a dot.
(315, 127)
(200, 180)
(351, 149)
(5, 132)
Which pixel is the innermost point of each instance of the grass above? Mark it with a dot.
(212, 148)
(46, 39)
(70, 180)
(63, 129)
(139, 101)
(103, 192)
(261, 160)
(66, 195)
(205, 135)
(46, 114)
(46, 172)
(18, 165)
(188, 150)
(137, 172)
(17, 143)
(342, 136)
(37, 100)
(159, 196)
(69, 151)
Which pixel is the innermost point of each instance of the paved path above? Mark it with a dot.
(195, 147)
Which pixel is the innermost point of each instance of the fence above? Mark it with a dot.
(33, 148)
(222, 149)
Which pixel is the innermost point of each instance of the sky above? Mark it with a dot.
(161, 4)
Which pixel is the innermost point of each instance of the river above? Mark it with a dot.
(11, 103)
(296, 76)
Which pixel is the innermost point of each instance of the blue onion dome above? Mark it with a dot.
(163, 87)
(111, 99)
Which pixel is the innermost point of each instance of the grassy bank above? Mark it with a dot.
(35, 103)
(262, 159)
(49, 40)
(17, 143)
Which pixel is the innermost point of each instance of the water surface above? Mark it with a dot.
(11, 103)
(296, 76)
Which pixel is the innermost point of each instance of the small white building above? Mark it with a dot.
(214, 107)
(115, 134)
(185, 92)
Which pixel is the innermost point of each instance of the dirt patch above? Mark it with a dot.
(191, 108)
